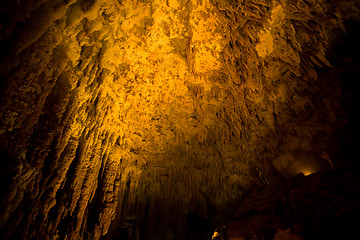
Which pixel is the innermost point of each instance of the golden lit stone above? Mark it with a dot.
(153, 109)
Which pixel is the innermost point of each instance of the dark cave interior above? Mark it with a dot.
(154, 119)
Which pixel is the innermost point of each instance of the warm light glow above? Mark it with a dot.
(307, 171)
(114, 108)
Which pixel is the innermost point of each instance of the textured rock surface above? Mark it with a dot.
(324, 205)
(153, 109)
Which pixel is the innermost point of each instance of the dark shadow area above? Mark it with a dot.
(196, 227)
(324, 205)
(344, 56)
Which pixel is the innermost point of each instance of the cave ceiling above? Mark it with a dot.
(111, 107)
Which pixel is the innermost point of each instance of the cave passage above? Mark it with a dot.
(169, 119)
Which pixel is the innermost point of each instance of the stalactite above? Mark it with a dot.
(151, 110)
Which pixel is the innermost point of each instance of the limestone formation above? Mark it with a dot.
(113, 110)
(323, 205)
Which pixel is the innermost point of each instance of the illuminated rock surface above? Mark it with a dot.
(155, 109)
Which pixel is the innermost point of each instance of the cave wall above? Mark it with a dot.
(153, 109)
(322, 205)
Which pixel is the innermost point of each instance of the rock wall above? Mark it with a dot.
(323, 205)
(152, 109)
